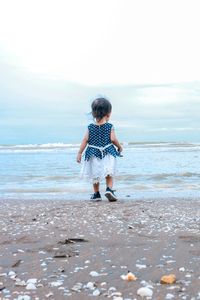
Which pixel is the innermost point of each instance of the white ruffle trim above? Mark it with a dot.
(97, 169)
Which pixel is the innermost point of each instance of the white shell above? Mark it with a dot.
(31, 286)
(96, 292)
(145, 292)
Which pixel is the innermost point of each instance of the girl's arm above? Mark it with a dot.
(82, 147)
(115, 141)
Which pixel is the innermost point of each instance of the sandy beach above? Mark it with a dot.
(80, 249)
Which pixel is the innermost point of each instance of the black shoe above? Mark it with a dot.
(110, 195)
(96, 197)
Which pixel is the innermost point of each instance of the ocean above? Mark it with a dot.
(146, 170)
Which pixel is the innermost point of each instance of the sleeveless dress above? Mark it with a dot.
(100, 154)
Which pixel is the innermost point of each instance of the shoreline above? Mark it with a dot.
(149, 237)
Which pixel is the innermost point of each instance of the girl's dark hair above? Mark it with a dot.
(100, 108)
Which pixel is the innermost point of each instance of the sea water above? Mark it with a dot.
(146, 170)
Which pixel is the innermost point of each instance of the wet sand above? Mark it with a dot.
(79, 249)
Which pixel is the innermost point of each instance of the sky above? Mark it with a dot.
(56, 56)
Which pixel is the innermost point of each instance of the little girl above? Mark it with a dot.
(100, 155)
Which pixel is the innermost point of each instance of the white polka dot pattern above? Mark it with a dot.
(99, 136)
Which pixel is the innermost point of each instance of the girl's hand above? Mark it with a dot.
(78, 158)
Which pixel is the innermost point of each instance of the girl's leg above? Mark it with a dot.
(96, 187)
(109, 192)
(109, 182)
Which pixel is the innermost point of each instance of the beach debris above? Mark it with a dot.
(130, 227)
(96, 292)
(65, 254)
(145, 292)
(169, 296)
(56, 283)
(20, 282)
(129, 277)
(72, 241)
(168, 279)
(115, 295)
(12, 274)
(87, 262)
(182, 269)
(23, 297)
(49, 295)
(31, 286)
(17, 263)
(77, 287)
(94, 274)
(139, 266)
(117, 298)
(32, 280)
(2, 288)
(90, 285)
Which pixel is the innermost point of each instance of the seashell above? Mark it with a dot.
(169, 296)
(94, 274)
(168, 279)
(90, 285)
(129, 277)
(24, 297)
(31, 286)
(182, 269)
(32, 280)
(77, 287)
(56, 283)
(96, 292)
(145, 292)
(139, 266)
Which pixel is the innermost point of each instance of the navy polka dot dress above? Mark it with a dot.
(100, 155)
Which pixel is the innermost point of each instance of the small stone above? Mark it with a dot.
(31, 286)
(96, 292)
(145, 292)
(168, 279)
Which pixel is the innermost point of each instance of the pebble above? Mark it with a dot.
(145, 292)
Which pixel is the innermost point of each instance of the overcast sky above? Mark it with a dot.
(55, 56)
(104, 42)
